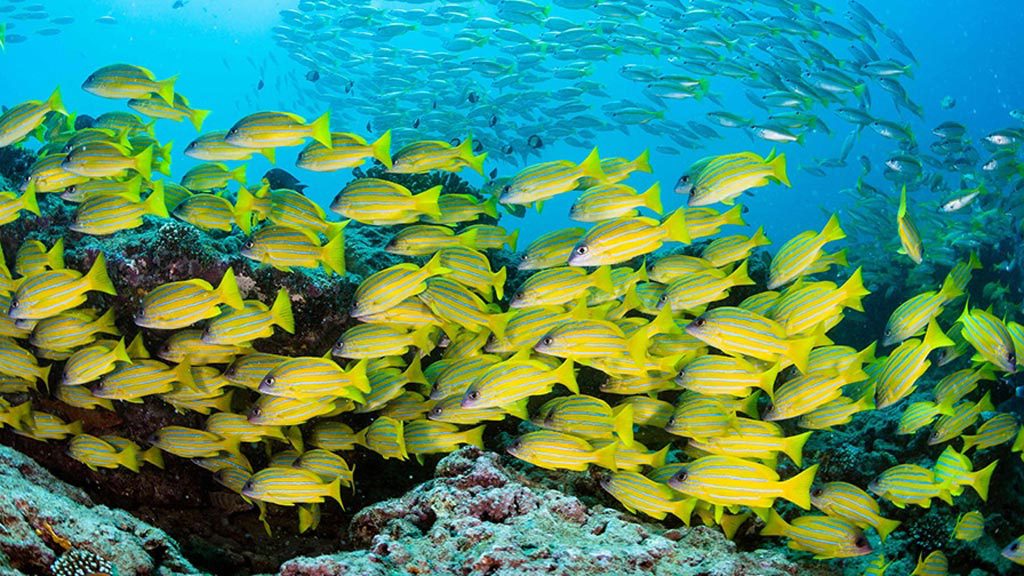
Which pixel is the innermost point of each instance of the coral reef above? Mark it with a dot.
(40, 516)
(478, 517)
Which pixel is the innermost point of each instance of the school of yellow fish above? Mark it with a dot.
(718, 379)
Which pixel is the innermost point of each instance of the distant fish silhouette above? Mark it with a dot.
(278, 178)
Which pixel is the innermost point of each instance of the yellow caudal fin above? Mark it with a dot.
(675, 227)
(511, 240)
(731, 523)
(129, 458)
(683, 509)
(981, 479)
(198, 117)
(154, 456)
(985, 404)
(798, 488)
(335, 229)
(767, 379)
(885, 527)
(498, 282)
(477, 162)
(238, 174)
(165, 88)
(474, 436)
(734, 216)
(334, 490)
(228, 290)
(854, 291)
(934, 338)
(156, 204)
(490, 207)
(105, 323)
(426, 202)
(652, 198)
(591, 166)
(663, 323)
(949, 290)
(518, 409)
(281, 311)
(775, 525)
(270, 154)
(433, 267)
(605, 456)
(778, 167)
(333, 255)
(97, 279)
(119, 353)
(28, 199)
(137, 348)
(566, 376)
(320, 130)
(55, 103)
(800, 350)
(622, 423)
(309, 517)
(902, 212)
(759, 239)
(381, 149)
(143, 162)
(658, 458)
(642, 163)
(832, 231)
(793, 446)
(739, 276)
(55, 256)
(414, 373)
(602, 279)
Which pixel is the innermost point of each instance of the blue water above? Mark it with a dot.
(967, 50)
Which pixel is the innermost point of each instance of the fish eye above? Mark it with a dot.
(699, 322)
(817, 492)
(141, 313)
(1014, 546)
(257, 411)
(435, 411)
(249, 244)
(247, 485)
(524, 257)
(671, 422)
(14, 304)
(506, 188)
(861, 542)
(232, 131)
(473, 394)
(693, 192)
(548, 341)
(581, 250)
(681, 476)
(269, 380)
(1012, 358)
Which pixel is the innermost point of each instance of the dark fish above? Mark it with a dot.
(15, 38)
(278, 178)
(455, 141)
(260, 85)
(493, 174)
(416, 123)
(368, 127)
(313, 75)
(534, 142)
(478, 146)
(49, 32)
(83, 121)
(349, 85)
(178, 4)
(434, 106)
(473, 97)
(494, 120)
(62, 20)
(508, 149)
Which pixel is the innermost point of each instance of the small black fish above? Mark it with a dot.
(455, 141)
(494, 120)
(493, 174)
(434, 105)
(368, 127)
(534, 142)
(478, 146)
(260, 85)
(83, 121)
(508, 149)
(349, 85)
(416, 124)
(473, 97)
(178, 4)
(313, 75)
(278, 178)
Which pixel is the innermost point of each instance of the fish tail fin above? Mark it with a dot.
(518, 409)
(683, 509)
(270, 154)
(129, 458)
(793, 447)
(320, 130)
(945, 408)
(902, 212)
(434, 267)
(566, 376)
(55, 103)
(333, 254)
(144, 162)
(739, 276)
(334, 491)
(307, 517)
(335, 229)
(949, 289)
(238, 174)
(165, 88)
(477, 162)
(381, 149)
(281, 311)
(886, 526)
(156, 203)
(800, 350)
(652, 198)
(767, 380)
(591, 166)
(778, 166)
(120, 353)
(469, 238)
(605, 456)
(198, 117)
(981, 479)
(775, 525)
(642, 163)
(414, 373)
(512, 239)
(622, 423)
(154, 456)
(183, 373)
(475, 436)
(55, 256)
(663, 323)
(97, 277)
(832, 230)
(853, 290)
(105, 323)
(859, 89)
(228, 290)
(243, 209)
(973, 262)
(490, 207)
(759, 239)
(675, 227)
(29, 201)
(498, 282)
(602, 279)
(734, 216)
(985, 404)
(798, 488)
(421, 339)
(934, 338)
(426, 201)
